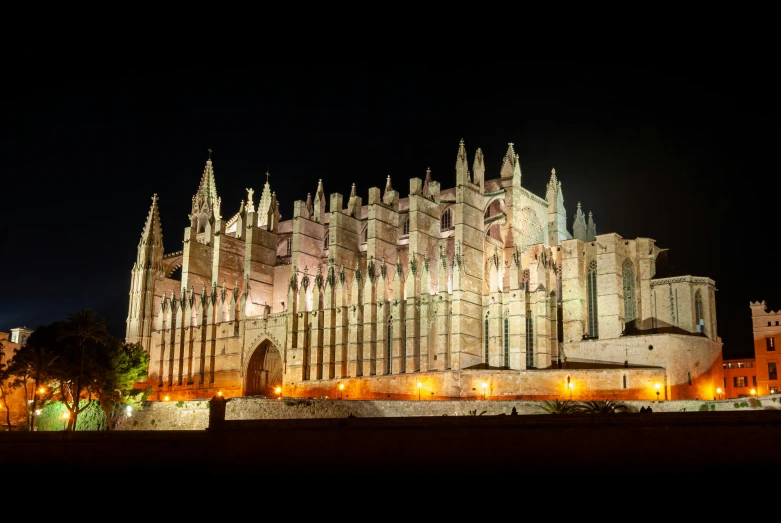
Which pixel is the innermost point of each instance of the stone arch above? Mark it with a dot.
(263, 368)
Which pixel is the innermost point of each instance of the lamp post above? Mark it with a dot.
(718, 391)
(484, 385)
(570, 387)
(278, 390)
(419, 386)
(341, 388)
(657, 387)
(753, 392)
(65, 416)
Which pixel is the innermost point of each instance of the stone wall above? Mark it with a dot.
(194, 415)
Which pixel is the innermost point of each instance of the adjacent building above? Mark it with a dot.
(767, 335)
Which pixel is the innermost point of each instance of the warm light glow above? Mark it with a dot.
(278, 390)
(718, 391)
(41, 390)
(66, 415)
(128, 409)
(219, 393)
(37, 412)
(420, 384)
(571, 385)
(341, 386)
(658, 386)
(484, 385)
(166, 398)
(753, 391)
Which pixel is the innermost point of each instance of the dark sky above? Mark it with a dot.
(681, 154)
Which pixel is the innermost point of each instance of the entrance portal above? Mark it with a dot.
(264, 372)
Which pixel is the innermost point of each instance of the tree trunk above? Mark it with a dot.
(35, 402)
(7, 411)
(107, 409)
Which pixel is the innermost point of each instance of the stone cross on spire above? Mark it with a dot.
(210, 152)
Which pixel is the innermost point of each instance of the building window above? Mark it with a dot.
(730, 365)
(699, 316)
(630, 303)
(690, 377)
(365, 234)
(740, 381)
(740, 364)
(486, 339)
(388, 349)
(771, 344)
(749, 364)
(405, 228)
(506, 341)
(725, 383)
(447, 220)
(529, 340)
(591, 283)
(776, 323)
(289, 246)
(772, 373)
(754, 380)
(768, 324)
(326, 241)
(624, 380)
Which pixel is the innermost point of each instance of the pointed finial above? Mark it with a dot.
(267, 174)
(154, 199)
(553, 172)
(428, 174)
(210, 152)
(352, 191)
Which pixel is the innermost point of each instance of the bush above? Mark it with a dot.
(754, 403)
(703, 407)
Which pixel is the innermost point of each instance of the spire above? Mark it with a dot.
(579, 230)
(426, 191)
(478, 168)
(388, 187)
(591, 228)
(318, 213)
(462, 165)
(207, 190)
(264, 203)
(152, 235)
(509, 162)
(309, 206)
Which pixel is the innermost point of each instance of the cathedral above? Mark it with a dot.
(477, 291)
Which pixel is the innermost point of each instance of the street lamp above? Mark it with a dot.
(419, 386)
(570, 386)
(753, 392)
(341, 388)
(718, 391)
(278, 390)
(65, 416)
(484, 386)
(657, 387)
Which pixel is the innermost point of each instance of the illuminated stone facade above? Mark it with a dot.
(475, 289)
(767, 335)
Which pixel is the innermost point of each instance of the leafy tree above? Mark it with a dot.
(119, 368)
(602, 407)
(558, 407)
(83, 331)
(32, 362)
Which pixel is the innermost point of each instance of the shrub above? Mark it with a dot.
(704, 407)
(712, 407)
(179, 404)
(602, 407)
(737, 405)
(754, 403)
(558, 407)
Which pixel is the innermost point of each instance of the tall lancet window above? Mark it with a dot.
(506, 341)
(447, 219)
(591, 288)
(630, 299)
(698, 312)
(289, 246)
(325, 241)
(485, 337)
(389, 346)
(529, 340)
(405, 228)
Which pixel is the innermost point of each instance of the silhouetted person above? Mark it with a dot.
(642, 410)
(650, 410)
(513, 412)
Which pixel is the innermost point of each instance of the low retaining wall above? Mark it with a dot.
(194, 415)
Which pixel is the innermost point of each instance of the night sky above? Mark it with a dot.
(683, 155)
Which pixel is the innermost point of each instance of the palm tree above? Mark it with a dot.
(82, 327)
(602, 407)
(558, 407)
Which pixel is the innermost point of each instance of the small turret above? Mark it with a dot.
(462, 165)
(478, 169)
(205, 199)
(264, 203)
(591, 228)
(579, 230)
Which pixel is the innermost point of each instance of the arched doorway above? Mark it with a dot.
(264, 371)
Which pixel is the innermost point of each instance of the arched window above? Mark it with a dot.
(289, 246)
(529, 340)
(698, 312)
(630, 301)
(389, 345)
(365, 234)
(591, 284)
(485, 337)
(326, 241)
(506, 341)
(405, 228)
(447, 219)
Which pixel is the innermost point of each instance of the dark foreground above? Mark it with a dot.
(664, 447)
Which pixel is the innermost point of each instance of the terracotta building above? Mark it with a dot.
(740, 379)
(420, 290)
(767, 335)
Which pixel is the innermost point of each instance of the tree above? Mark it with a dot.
(119, 368)
(32, 361)
(85, 330)
(602, 407)
(558, 407)
(4, 375)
